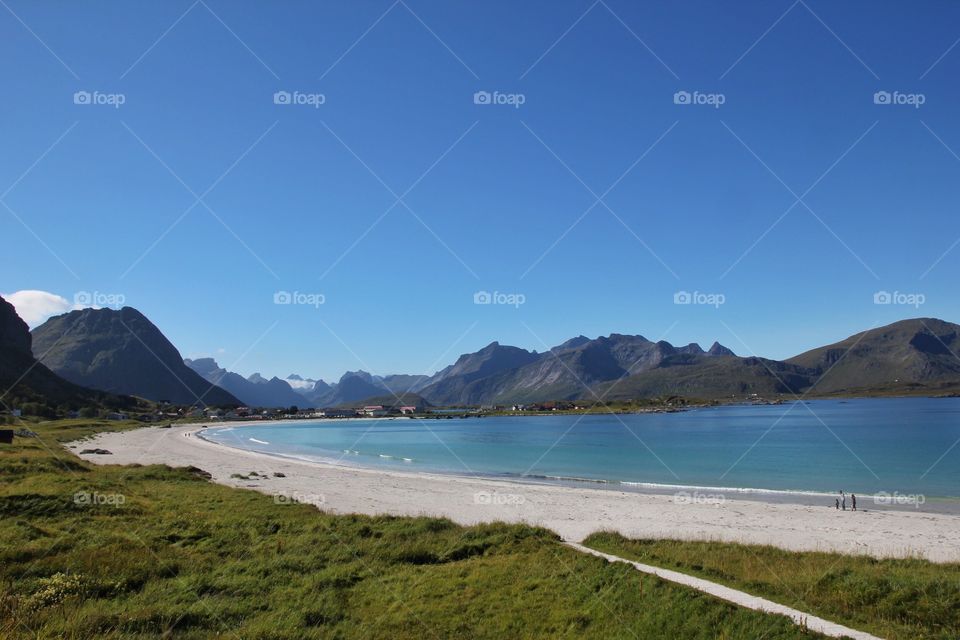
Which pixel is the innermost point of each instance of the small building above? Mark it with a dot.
(117, 416)
(374, 411)
(408, 410)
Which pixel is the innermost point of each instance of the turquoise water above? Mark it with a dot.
(905, 446)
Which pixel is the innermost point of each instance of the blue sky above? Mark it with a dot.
(304, 198)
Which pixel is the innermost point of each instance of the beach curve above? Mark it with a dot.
(572, 512)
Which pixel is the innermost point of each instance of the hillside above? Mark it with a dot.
(709, 378)
(121, 351)
(24, 381)
(457, 383)
(910, 355)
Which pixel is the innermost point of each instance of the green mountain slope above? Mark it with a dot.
(121, 351)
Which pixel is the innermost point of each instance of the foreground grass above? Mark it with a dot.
(154, 551)
(891, 598)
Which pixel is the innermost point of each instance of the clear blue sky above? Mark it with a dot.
(293, 209)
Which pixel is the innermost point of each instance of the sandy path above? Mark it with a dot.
(573, 513)
(740, 598)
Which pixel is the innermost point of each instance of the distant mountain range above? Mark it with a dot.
(354, 386)
(120, 351)
(255, 391)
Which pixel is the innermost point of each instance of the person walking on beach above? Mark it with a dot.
(843, 501)
(853, 499)
(836, 502)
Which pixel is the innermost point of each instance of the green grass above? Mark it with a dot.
(181, 557)
(909, 599)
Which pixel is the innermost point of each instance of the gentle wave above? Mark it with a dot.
(258, 441)
(560, 478)
(672, 487)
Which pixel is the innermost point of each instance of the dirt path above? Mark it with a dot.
(737, 597)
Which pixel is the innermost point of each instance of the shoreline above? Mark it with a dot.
(807, 497)
(572, 512)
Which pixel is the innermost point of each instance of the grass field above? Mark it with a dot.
(908, 599)
(138, 552)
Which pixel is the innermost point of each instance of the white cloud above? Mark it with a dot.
(36, 306)
(301, 384)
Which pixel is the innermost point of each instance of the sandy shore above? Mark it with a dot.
(572, 512)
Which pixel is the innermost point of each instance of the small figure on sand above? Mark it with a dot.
(843, 500)
(853, 499)
(837, 503)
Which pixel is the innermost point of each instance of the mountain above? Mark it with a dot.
(708, 377)
(906, 357)
(353, 386)
(320, 390)
(404, 383)
(312, 392)
(910, 356)
(121, 351)
(500, 374)
(717, 349)
(255, 391)
(300, 384)
(25, 381)
(452, 385)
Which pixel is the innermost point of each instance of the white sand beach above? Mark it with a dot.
(572, 512)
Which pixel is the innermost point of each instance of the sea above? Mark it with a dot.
(892, 453)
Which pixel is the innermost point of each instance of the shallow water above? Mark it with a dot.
(905, 448)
